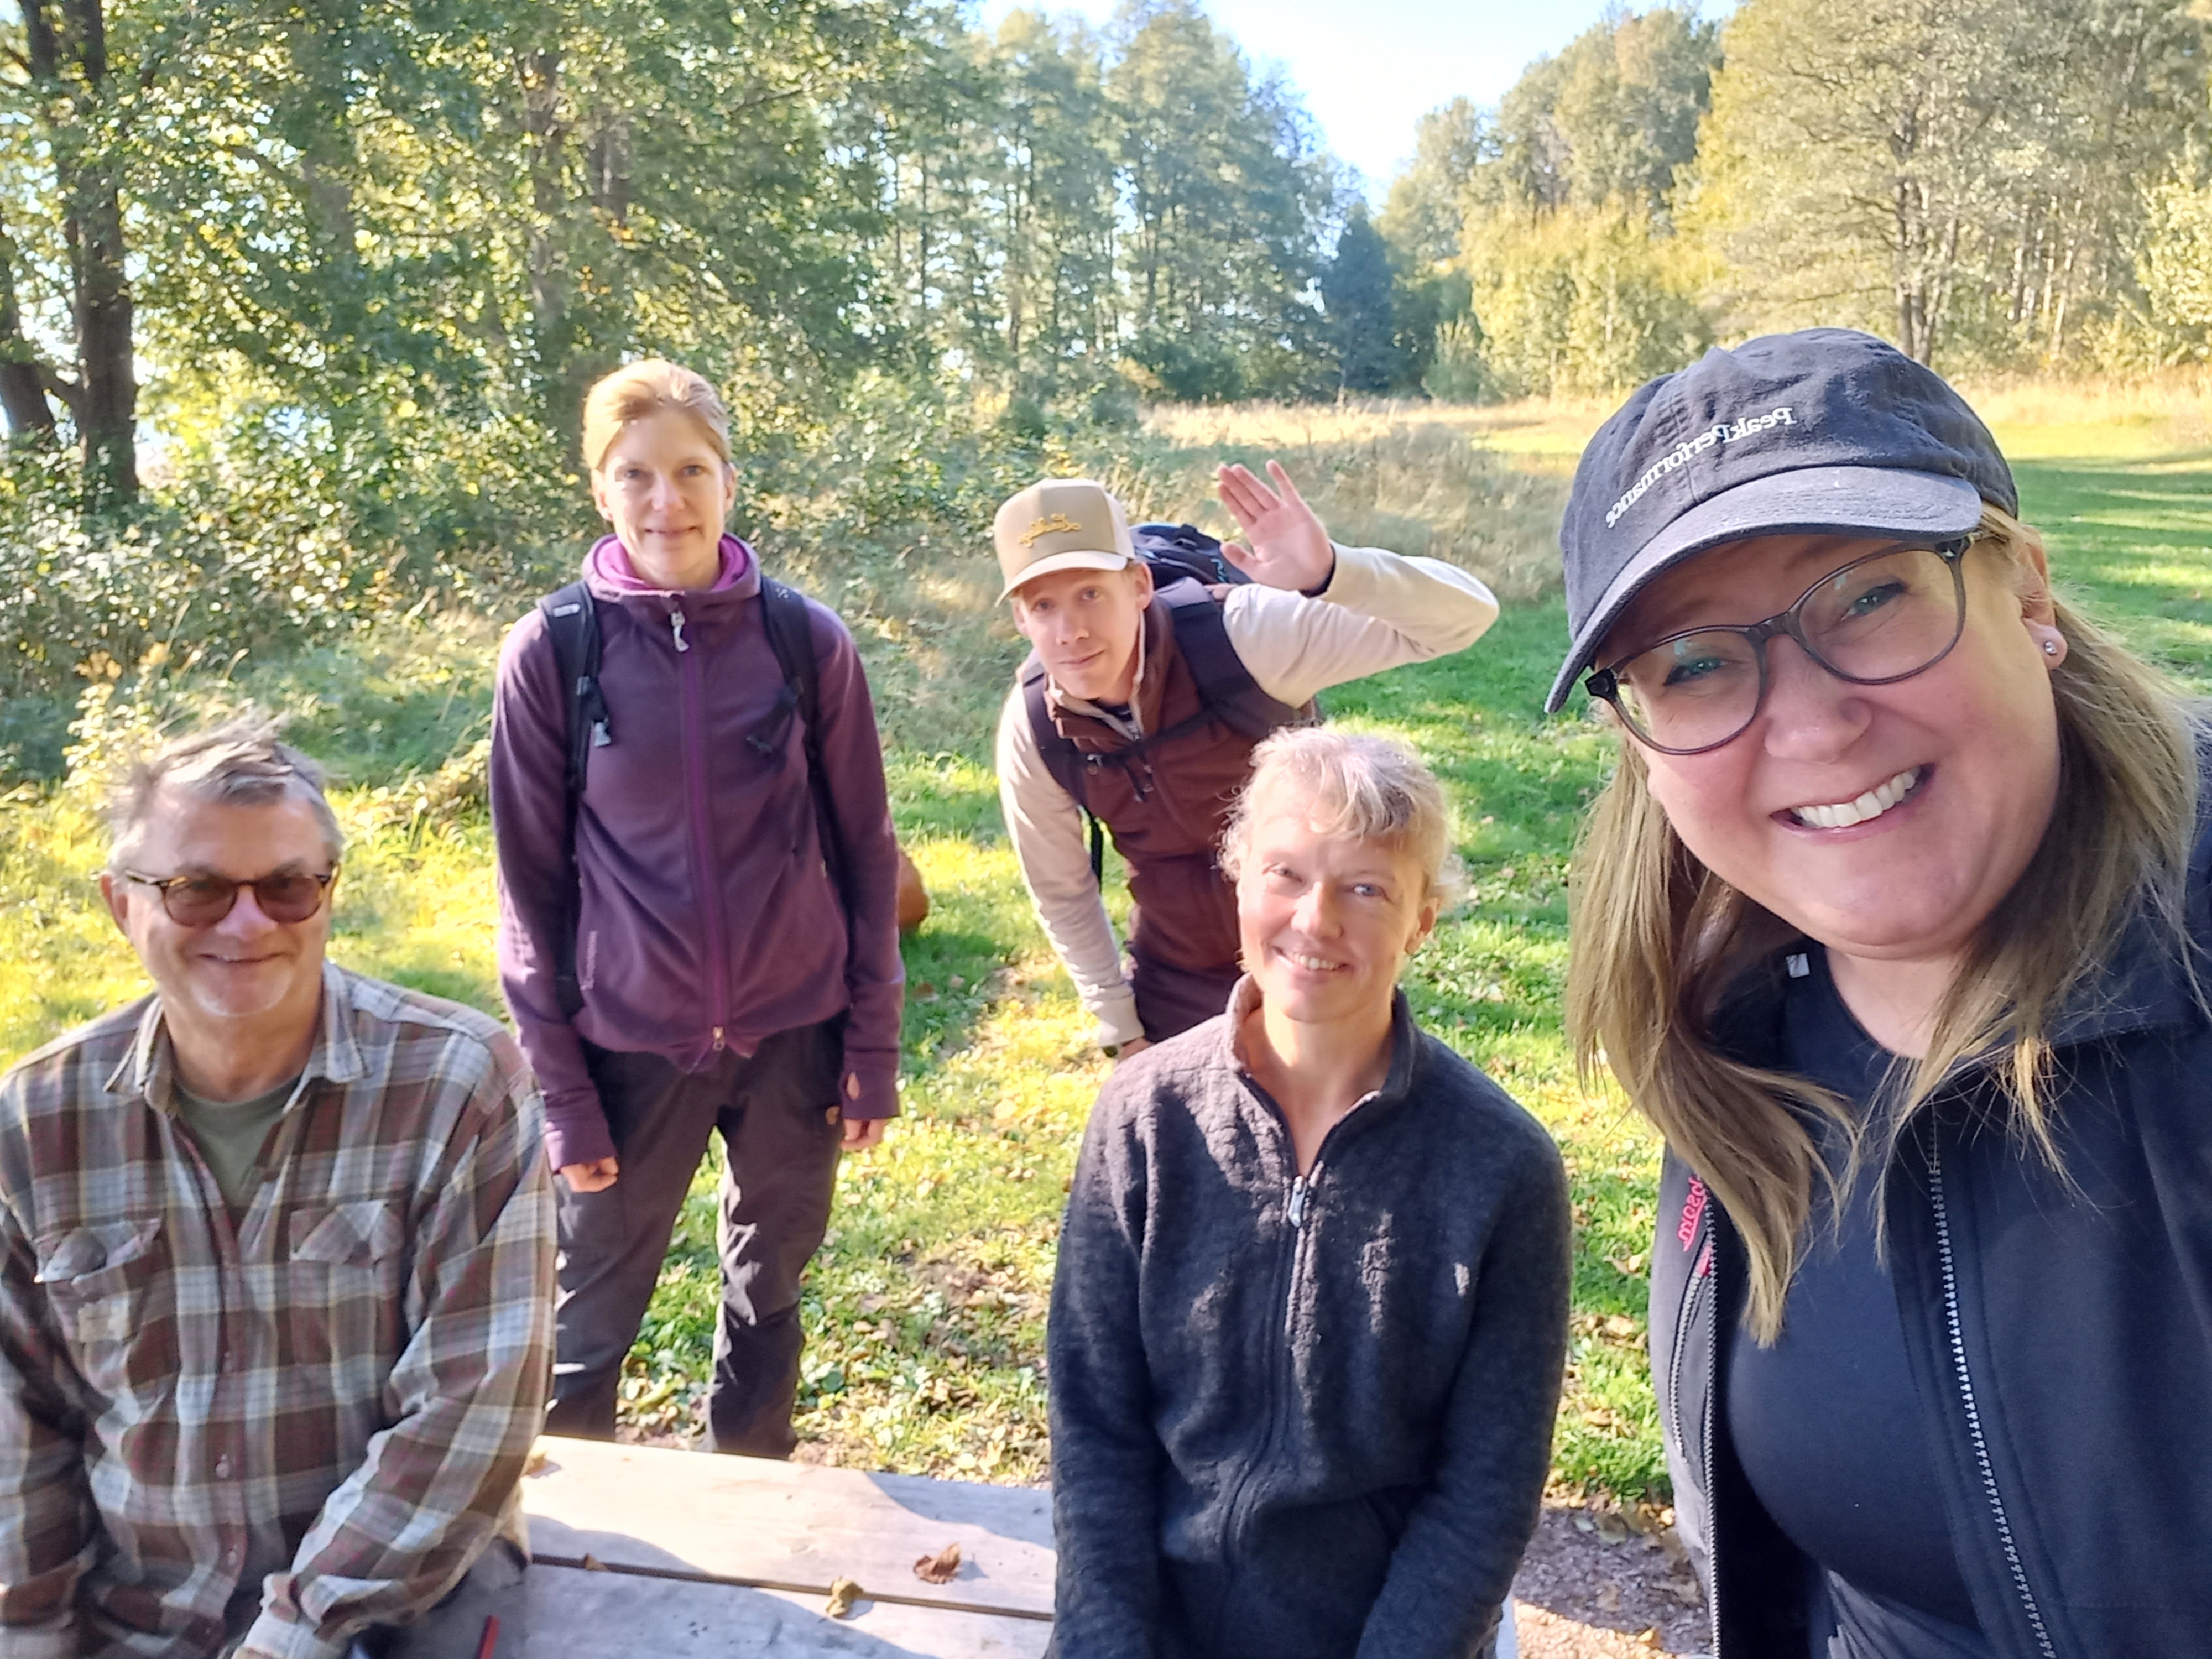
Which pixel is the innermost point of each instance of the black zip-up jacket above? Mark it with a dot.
(2060, 1337)
(1302, 1418)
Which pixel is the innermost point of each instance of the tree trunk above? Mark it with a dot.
(538, 75)
(609, 160)
(69, 65)
(1904, 274)
(22, 386)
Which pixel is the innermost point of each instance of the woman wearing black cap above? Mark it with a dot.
(1888, 920)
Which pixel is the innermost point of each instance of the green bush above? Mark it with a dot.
(1459, 373)
(1580, 302)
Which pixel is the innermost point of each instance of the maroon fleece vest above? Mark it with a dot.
(1167, 808)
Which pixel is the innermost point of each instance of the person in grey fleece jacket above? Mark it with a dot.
(1309, 1318)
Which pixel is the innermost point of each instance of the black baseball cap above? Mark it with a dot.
(1826, 431)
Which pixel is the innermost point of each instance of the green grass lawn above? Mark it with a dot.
(925, 1309)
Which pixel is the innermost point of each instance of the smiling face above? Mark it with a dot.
(1325, 921)
(1084, 624)
(245, 970)
(666, 491)
(1886, 822)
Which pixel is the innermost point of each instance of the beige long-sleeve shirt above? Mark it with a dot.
(1380, 610)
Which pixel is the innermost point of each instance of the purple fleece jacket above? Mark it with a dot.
(708, 920)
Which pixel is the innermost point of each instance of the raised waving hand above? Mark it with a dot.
(1284, 545)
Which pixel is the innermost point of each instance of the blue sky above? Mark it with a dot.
(1368, 69)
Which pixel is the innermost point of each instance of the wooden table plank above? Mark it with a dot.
(620, 1615)
(798, 1526)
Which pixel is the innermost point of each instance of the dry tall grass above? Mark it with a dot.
(1420, 478)
(2180, 397)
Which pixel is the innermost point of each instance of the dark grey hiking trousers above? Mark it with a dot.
(780, 1149)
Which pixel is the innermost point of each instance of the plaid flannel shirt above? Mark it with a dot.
(258, 1440)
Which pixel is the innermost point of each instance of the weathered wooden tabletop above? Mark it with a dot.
(683, 1555)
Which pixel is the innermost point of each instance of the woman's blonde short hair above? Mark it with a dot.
(637, 390)
(1361, 787)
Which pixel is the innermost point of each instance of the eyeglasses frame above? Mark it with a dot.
(1604, 685)
(161, 884)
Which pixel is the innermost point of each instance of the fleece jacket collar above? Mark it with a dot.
(1397, 1082)
(612, 581)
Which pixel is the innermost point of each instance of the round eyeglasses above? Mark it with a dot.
(286, 898)
(1879, 619)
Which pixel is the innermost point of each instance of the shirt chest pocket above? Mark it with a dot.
(108, 1287)
(344, 1271)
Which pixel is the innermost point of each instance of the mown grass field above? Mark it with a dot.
(925, 1309)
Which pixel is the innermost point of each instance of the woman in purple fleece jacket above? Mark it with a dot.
(725, 982)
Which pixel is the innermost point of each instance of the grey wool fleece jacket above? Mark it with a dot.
(1302, 1418)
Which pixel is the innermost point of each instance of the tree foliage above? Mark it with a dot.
(1580, 301)
(1553, 212)
(1966, 176)
(1357, 292)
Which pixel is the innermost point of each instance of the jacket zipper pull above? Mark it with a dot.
(719, 1044)
(1297, 1213)
(676, 627)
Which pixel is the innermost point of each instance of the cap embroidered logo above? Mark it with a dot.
(1722, 432)
(1051, 524)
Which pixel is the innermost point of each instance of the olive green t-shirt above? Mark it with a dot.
(230, 1135)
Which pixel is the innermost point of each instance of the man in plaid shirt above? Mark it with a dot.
(275, 1268)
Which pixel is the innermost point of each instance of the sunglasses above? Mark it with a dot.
(203, 900)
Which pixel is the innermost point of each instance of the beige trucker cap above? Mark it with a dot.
(1060, 524)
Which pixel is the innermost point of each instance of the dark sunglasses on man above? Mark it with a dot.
(201, 901)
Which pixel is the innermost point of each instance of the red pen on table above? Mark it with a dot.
(490, 1642)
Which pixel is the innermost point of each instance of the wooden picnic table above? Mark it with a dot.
(638, 1550)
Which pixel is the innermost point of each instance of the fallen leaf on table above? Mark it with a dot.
(592, 1564)
(843, 1593)
(941, 1568)
(536, 1462)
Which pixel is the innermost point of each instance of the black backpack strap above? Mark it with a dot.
(1226, 690)
(573, 625)
(790, 632)
(1062, 758)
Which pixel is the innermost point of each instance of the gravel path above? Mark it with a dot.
(1597, 1585)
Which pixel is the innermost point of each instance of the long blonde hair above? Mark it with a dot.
(1660, 944)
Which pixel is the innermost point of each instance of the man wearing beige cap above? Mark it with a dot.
(1142, 702)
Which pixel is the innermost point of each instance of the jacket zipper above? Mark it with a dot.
(1955, 1325)
(1683, 1317)
(1294, 1215)
(702, 862)
(1294, 1212)
(1712, 1402)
